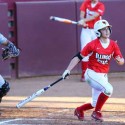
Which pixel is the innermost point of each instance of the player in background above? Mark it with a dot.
(101, 51)
(90, 12)
(9, 51)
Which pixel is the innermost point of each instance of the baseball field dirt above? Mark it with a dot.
(56, 106)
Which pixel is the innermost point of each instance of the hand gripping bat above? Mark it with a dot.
(36, 94)
(63, 20)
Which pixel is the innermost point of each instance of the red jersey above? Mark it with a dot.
(100, 57)
(89, 11)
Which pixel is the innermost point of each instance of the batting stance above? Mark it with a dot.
(10, 51)
(90, 12)
(101, 51)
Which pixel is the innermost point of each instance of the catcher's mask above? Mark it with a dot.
(100, 25)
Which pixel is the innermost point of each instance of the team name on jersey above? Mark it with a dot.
(103, 59)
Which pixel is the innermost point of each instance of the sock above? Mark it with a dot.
(84, 66)
(100, 102)
(85, 107)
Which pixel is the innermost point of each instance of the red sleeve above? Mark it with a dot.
(101, 9)
(117, 51)
(87, 49)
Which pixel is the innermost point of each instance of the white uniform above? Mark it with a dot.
(87, 35)
(2, 38)
(99, 83)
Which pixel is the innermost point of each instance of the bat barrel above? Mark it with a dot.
(36, 94)
(63, 20)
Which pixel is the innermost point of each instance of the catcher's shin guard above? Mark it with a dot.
(4, 90)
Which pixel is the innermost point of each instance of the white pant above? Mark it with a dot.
(99, 83)
(87, 35)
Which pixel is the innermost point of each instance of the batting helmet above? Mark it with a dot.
(100, 25)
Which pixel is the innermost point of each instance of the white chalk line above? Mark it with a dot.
(25, 119)
(13, 120)
(7, 121)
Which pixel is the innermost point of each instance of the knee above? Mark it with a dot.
(108, 91)
(4, 89)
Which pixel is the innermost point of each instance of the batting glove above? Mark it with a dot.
(65, 74)
(81, 22)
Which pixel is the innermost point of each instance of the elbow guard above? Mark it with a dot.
(79, 56)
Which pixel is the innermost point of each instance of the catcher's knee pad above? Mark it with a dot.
(4, 89)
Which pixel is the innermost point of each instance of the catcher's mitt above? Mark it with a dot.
(10, 51)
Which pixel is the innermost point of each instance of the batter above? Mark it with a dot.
(101, 51)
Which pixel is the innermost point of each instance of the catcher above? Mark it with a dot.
(10, 51)
(101, 51)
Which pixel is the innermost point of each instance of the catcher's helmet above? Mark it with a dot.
(100, 25)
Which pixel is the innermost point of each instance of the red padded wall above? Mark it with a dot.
(4, 65)
(47, 47)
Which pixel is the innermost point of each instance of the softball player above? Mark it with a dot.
(101, 51)
(90, 12)
(9, 51)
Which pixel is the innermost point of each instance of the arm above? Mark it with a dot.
(75, 60)
(83, 20)
(90, 18)
(73, 63)
(5, 43)
(93, 17)
(117, 55)
(3, 40)
(119, 60)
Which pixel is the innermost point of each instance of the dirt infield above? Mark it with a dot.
(56, 106)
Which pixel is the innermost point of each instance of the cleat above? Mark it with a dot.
(79, 114)
(97, 116)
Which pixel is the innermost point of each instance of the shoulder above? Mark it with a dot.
(100, 5)
(113, 43)
(93, 43)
